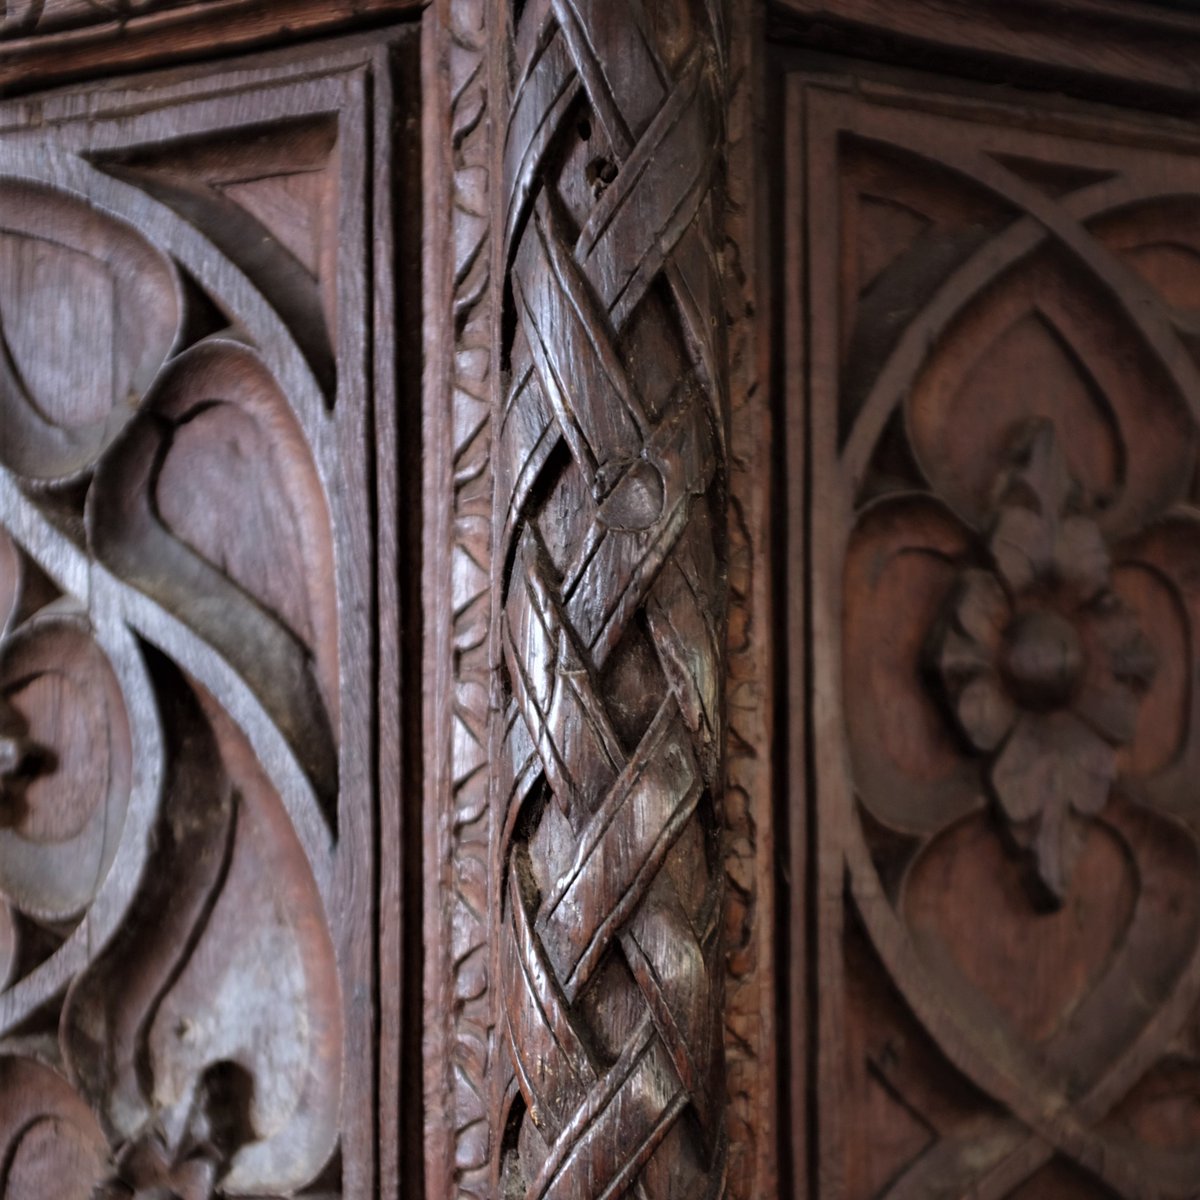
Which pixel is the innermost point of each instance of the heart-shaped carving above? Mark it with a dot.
(1033, 967)
(218, 435)
(1072, 989)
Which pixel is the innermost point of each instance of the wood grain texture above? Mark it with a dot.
(1143, 54)
(188, 722)
(992, 348)
(610, 592)
(47, 41)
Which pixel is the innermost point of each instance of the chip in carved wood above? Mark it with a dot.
(185, 701)
(1004, 390)
(610, 478)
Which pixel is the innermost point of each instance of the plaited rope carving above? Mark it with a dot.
(610, 486)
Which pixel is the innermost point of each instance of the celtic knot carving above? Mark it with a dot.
(610, 475)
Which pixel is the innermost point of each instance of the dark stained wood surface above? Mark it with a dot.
(590, 606)
(1142, 54)
(753, 838)
(457, 1033)
(611, 475)
(994, 388)
(47, 41)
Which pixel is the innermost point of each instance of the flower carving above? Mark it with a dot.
(1042, 664)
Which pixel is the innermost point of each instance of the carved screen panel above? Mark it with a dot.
(187, 791)
(994, 377)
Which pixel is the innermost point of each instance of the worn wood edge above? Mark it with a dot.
(438, 271)
(438, 585)
(200, 30)
(1148, 53)
(496, 64)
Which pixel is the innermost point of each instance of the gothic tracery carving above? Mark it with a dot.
(1005, 402)
(181, 731)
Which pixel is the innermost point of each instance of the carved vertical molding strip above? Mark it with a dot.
(609, 636)
(751, 1039)
(459, 907)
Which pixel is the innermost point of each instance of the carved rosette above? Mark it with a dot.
(1005, 383)
(610, 480)
(1041, 661)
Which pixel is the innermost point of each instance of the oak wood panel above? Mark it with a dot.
(191, 374)
(994, 392)
(752, 835)
(1143, 54)
(458, 1032)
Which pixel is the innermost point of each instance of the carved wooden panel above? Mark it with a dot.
(749, 809)
(994, 374)
(187, 630)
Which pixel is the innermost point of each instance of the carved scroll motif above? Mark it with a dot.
(1005, 541)
(610, 482)
(172, 1019)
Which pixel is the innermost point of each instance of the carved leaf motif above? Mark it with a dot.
(89, 312)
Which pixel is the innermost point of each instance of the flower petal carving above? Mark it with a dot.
(908, 768)
(1050, 767)
(1043, 647)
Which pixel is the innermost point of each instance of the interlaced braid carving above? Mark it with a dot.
(610, 487)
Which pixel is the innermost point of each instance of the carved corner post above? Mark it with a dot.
(610, 579)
